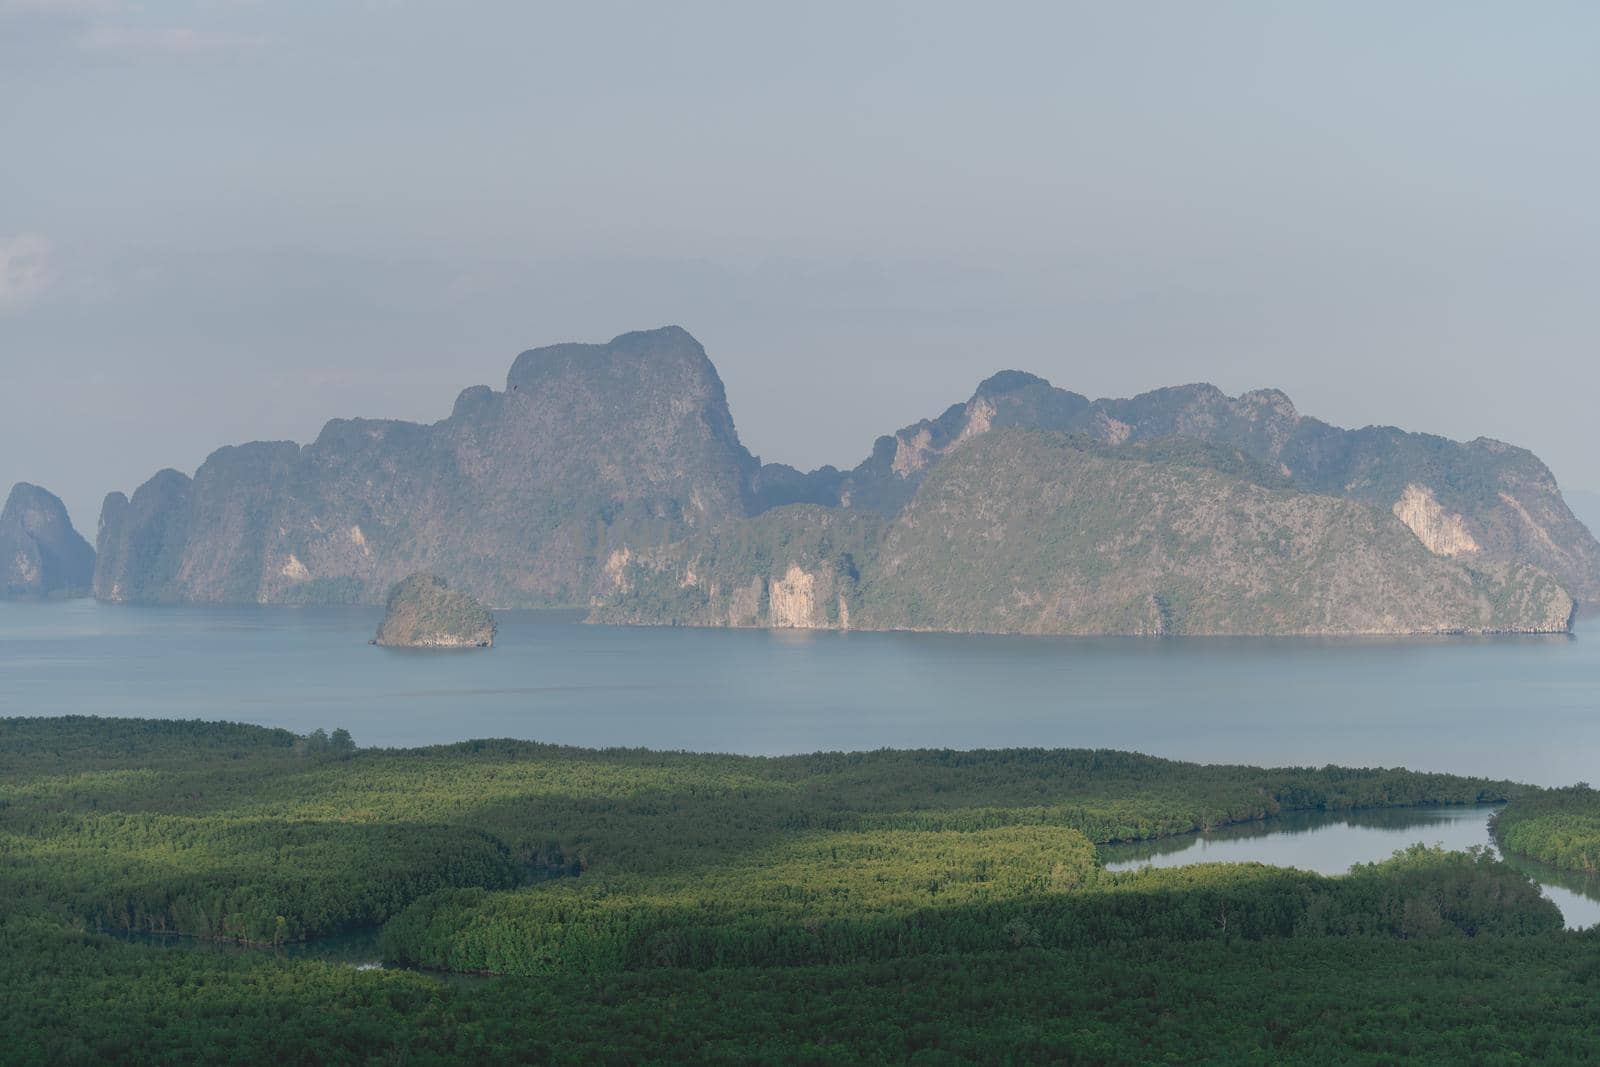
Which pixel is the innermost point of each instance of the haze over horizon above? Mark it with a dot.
(234, 222)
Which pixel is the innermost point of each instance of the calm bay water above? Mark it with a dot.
(1526, 708)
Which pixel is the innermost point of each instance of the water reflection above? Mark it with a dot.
(1332, 842)
(1575, 893)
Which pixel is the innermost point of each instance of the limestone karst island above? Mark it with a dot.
(609, 477)
(424, 612)
(41, 555)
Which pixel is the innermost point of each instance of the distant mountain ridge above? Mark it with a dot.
(1482, 498)
(518, 497)
(1028, 531)
(612, 476)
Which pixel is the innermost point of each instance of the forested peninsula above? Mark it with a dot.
(801, 907)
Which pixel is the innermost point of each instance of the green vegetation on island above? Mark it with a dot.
(1560, 827)
(424, 612)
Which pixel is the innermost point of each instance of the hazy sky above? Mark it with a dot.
(222, 221)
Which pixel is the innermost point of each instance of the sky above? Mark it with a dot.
(224, 220)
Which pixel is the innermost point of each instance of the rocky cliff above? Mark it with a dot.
(1492, 501)
(611, 475)
(424, 612)
(41, 555)
(521, 496)
(799, 566)
(1037, 532)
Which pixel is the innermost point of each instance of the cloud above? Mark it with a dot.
(25, 271)
(170, 41)
(59, 7)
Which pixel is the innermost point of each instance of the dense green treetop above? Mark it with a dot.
(326, 837)
(1560, 827)
(929, 906)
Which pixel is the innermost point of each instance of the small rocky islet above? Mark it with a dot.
(424, 612)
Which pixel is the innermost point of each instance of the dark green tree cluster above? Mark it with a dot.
(742, 920)
(74, 998)
(1560, 827)
(321, 743)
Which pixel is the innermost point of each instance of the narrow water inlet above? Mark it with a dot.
(1332, 842)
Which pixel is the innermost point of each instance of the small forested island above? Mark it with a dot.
(424, 612)
(630, 906)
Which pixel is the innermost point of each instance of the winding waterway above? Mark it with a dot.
(1331, 843)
